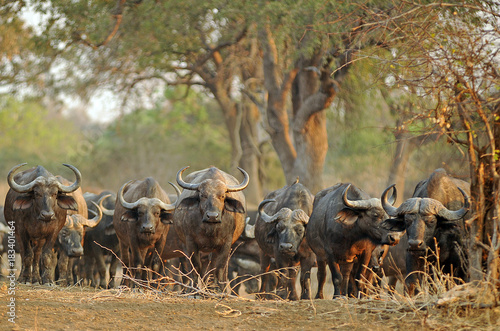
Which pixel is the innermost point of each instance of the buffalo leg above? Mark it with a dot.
(62, 266)
(265, 263)
(126, 263)
(221, 259)
(336, 277)
(195, 268)
(321, 279)
(26, 251)
(37, 253)
(306, 265)
(112, 271)
(49, 260)
(346, 269)
(291, 290)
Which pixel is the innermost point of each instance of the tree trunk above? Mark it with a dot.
(250, 155)
(302, 151)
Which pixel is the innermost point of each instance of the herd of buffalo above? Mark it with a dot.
(66, 236)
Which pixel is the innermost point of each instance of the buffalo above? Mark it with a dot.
(434, 218)
(346, 224)
(101, 243)
(210, 217)
(37, 204)
(280, 232)
(69, 244)
(142, 218)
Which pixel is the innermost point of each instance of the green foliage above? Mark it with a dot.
(159, 141)
(30, 133)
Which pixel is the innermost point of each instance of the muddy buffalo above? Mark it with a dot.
(280, 232)
(210, 217)
(434, 218)
(69, 244)
(347, 224)
(142, 218)
(37, 205)
(101, 243)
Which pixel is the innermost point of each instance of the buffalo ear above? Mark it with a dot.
(23, 202)
(271, 235)
(234, 205)
(167, 217)
(394, 224)
(189, 202)
(129, 216)
(347, 217)
(67, 202)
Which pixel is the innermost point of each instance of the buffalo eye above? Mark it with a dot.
(299, 229)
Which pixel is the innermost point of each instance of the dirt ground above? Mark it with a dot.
(83, 308)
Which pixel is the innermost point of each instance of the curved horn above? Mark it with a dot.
(453, 215)
(183, 184)
(266, 218)
(124, 203)
(356, 204)
(17, 187)
(388, 207)
(163, 205)
(105, 211)
(241, 186)
(143, 200)
(94, 221)
(73, 187)
(177, 191)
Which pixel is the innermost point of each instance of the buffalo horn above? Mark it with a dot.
(266, 218)
(241, 186)
(177, 191)
(183, 184)
(356, 204)
(388, 207)
(17, 187)
(453, 215)
(98, 216)
(105, 211)
(143, 200)
(73, 187)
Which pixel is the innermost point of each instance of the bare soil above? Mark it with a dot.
(84, 308)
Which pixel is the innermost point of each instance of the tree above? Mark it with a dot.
(449, 53)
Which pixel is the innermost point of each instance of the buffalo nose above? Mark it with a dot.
(147, 228)
(47, 215)
(212, 215)
(285, 246)
(414, 244)
(76, 251)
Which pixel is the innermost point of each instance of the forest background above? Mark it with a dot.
(368, 92)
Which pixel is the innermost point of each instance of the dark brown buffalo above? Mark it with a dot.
(69, 246)
(435, 214)
(37, 204)
(210, 217)
(347, 224)
(142, 218)
(280, 232)
(101, 243)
